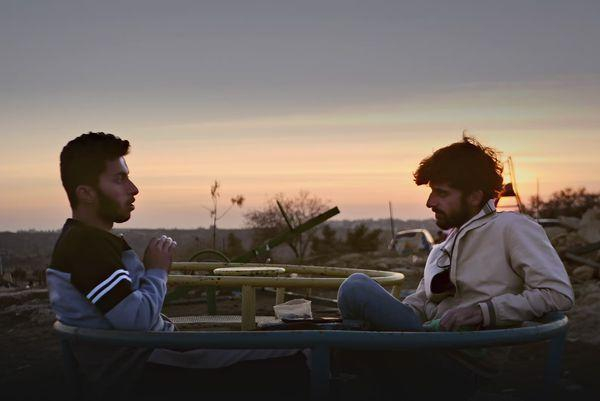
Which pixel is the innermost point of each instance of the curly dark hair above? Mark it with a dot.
(466, 165)
(84, 158)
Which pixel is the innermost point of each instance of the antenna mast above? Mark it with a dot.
(513, 180)
(392, 220)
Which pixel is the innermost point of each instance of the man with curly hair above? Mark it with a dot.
(493, 270)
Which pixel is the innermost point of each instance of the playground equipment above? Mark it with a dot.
(256, 253)
(250, 276)
(510, 191)
(553, 328)
(285, 237)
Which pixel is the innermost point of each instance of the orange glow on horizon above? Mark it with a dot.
(358, 160)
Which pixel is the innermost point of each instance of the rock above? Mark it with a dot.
(349, 257)
(42, 316)
(22, 296)
(555, 233)
(418, 260)
(388, 260)
(589, 299)
(37, 311)
(8, 278)
(407, 271)
(568, 241)
(584, 318)
(584, 272)
(586, 289)
(589, 229)
(570, 222)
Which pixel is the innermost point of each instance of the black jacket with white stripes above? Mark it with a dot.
(96, 280)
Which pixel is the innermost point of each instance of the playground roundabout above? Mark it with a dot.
(250, 276)
(294, 276)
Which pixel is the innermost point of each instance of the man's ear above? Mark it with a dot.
(85, 194)
(475, 198)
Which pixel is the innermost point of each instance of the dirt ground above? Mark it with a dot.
(31, 368)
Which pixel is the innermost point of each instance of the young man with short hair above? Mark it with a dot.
(96, 280)
(493, 270)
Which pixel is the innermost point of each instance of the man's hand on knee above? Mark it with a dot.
(456, 318)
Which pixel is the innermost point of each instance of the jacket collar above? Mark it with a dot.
(441, 257)
(488, 209)
(71, 223)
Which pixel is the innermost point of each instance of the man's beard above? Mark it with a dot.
(109, 210)
(456, 219)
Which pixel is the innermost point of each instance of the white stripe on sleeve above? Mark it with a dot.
(97, 288)
(110, 287)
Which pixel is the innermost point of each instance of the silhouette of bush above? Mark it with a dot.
(327, 243)
(235, 246)
(361, 239)
(566, 202)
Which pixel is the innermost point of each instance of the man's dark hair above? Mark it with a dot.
(466, 165)
(84, 158)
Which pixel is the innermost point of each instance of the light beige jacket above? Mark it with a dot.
(502, 262)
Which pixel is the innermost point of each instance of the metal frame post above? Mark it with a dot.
(319, 373)
(71, 371)
(552, 370)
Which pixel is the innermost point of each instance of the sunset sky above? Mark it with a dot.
(339, 98)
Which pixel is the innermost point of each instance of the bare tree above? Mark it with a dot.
(269, 220)
(215, 194)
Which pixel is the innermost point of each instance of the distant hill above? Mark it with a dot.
(384, 224)
(31, 250)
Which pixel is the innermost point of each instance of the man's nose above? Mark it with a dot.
(134, 189)
(431, 201)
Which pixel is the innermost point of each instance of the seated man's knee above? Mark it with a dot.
(356, 280)
(353, 283)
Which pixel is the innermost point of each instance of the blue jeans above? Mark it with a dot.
(425, 374)
(362, 298)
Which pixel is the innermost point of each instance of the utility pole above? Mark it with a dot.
(537, 198)
(392, 220)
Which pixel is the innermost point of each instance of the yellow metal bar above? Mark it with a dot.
(330, 277)
(280, 296)
(286, 282)
(249, 271)
(318, 277)
(319, 270)
(248, 307)
(309, 289)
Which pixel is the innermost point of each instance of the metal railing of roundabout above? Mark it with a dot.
(552, 327)
(283, 276)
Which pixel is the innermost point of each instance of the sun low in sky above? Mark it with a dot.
(338, 98)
